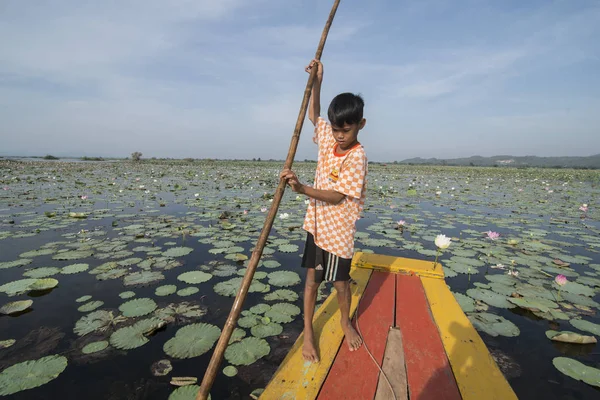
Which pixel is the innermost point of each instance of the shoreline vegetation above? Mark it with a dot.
(589, 162)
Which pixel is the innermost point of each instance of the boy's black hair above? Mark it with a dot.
(346, 108)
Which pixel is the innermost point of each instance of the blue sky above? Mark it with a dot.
(224, 79)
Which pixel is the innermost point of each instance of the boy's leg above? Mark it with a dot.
(309, 350)
(344, 297)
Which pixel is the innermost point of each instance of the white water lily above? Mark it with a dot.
(307, 201)
(442, 241)
(284, 215)
(196, 194)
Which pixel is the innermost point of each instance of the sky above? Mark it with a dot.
(225, 79)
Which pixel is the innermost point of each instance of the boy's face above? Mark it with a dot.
(346, 136)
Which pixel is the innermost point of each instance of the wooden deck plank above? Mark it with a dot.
(476, 372)
(297, 379)
(429, 373)
(353, 375)
(394, 369)
(380, 262)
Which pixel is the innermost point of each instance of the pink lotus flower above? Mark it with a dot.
(263, 209)
(493, 235)
(401, 223)
(561, 280)
(5, 188)
(245, 212)
(584, 207)
(84, 197)
(513, 273)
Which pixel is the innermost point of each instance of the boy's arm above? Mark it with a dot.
(314, 107)
(329, 196)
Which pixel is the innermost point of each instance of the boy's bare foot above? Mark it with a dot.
(352, 337)
(309, 350)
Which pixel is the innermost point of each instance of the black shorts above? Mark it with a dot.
(328, 267)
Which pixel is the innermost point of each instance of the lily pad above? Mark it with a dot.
(134, 336)
(586, 326)
(15, 307)
(4, 344)
(161, 368)
(188, 291)
(165, 290)
(230, 371)
(493, 325)
(577, 370)
(142, 278)
(138, 307)
(94, 347)
(282, 312)
(266, 330)
(177, 252)
(43, 284)
(74, 268)
(17, 287)
(282, 294)
(284, 278)
(42, 272)
(489, 297)
(194, 277)
(570, 337)
(31, 374)
(127, 295)
(90, 306)
(247, 351)
(192, 340)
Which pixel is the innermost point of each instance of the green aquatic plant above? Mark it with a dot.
(577, 370)
(15, 307)
(30, 374)
(138, 307)
(247, 351)
(192, 340)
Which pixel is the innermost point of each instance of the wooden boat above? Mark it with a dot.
(414, 328)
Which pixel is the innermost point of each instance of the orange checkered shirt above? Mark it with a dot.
(333, 225)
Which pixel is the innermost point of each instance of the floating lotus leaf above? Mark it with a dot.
(503, 279)
(247, 351)
(256, 393)
(225, 270)
(260, 308)
(288, 248)
(194, 277)
(282, 294)
(131, 337)
(587, 280)
(577, 370)
(493, 325)
(489, 297)
(481, 285)
(43, 284)
(473, 262)
(17, 287)
(271, 264)
(570, 337)
(192, 340)
(449, 273)
(502, 288)
(562, 271)
(265, 330)
(42, 272)
(188, 291)
(576, 288)
(16, 263)
(466, 303)
(579, 300)
(127, 295)
(73, 255)
(183, 309)
(161, 368)
(83, 299)
(283, 312)
(284, 278)
(237, 335)
(94, 347)
(237, 257)
(248, 321)
(31, 374)
(36, 253)
(586, 326)
(230, 371)
(4, 344)
(15, 307)
(129, 261)
(91, 306)
(533, 304)
(177, 252)
(165, 290)
(138, 307)
(74, 268)
(231, 286)
(527, 290)
(99, 320)
(142, 278)
(186, 393)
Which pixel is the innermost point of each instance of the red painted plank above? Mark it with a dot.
(353, 375)
(429, 374)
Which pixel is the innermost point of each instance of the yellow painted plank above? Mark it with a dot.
(477, 374)
(297, 379)
(397, 264)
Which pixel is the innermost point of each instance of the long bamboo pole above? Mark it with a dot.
(217, 357)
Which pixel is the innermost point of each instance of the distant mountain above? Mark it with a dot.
(592, 162)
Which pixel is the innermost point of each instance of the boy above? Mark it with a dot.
(336, 200)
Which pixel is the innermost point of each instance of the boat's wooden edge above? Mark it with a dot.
(393, 264)
(297, 379)
(477, 374)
